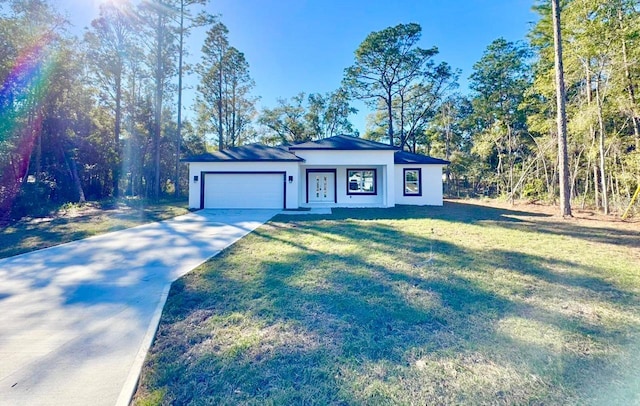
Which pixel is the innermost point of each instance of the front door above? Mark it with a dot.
(321, 187)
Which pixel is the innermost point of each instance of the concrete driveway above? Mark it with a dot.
(76, 320)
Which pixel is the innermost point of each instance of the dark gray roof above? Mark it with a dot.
(403, 158)
(260, 152)
(342, 142)
(246, 153)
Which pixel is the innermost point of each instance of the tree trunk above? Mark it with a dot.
(576, 172)
(72, 168)
(234, 136)
(586, 183)
(603, 175)
(403, 137)
(117, 129)
(176, 180)
(227, 124)
(447, 143)
(592, 132)
(220, 133)
(630, 87)
(133, 163)
(596, 187)
(563, 159)
(511, 162)
(33, 125)
(390, 116)
(158, 105)
(547, 178)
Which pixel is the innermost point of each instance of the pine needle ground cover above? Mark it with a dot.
(463, 304)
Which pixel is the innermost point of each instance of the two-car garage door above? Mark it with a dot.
(256, 190)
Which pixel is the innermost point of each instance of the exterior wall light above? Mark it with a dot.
(195, 178)
(290, 179)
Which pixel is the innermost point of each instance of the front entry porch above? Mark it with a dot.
(344, 186)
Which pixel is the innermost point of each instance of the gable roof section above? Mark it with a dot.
(247, 153)
(342, 142)
(407, 158)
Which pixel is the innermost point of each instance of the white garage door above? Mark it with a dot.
(244, 191)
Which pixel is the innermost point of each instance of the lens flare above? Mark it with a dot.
(21, 94)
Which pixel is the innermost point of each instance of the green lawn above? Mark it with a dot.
(462, 304)
(78, 222)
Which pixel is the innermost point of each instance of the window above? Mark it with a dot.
(361, 181)
(412, 186)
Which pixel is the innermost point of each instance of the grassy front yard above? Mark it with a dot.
(463, 304)
(78, 222)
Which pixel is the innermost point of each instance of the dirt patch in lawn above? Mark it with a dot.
(579, 216)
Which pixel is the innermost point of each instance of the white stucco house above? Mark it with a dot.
(340, 171)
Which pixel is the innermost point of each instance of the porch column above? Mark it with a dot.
(389, 185)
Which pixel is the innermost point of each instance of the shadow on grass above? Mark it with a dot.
(314, 325)
(469, 213)
(26, 236)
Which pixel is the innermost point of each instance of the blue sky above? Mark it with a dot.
(305, 45)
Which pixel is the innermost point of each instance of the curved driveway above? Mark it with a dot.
(76, 320)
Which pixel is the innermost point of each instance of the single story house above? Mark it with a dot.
(340, 171)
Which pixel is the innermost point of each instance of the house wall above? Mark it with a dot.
(431, 183)
(291, 169)
(390, 178)
(382, 161)
(344, 199)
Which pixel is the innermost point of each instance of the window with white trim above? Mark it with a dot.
(412, 184)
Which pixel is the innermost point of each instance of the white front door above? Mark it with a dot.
(321, 187)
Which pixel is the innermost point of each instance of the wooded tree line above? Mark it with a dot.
(102, 115)
(92, 117)
(502, 137)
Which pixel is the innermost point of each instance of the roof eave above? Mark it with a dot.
(339, 149)
(242, 160)
(422, 163)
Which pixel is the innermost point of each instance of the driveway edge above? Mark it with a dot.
(87, 306)
(131, 383)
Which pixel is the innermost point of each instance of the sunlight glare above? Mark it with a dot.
(117, 3)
